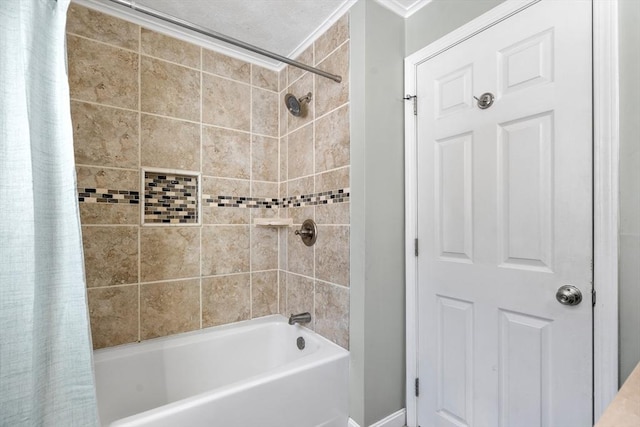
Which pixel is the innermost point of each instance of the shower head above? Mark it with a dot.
(294, 105)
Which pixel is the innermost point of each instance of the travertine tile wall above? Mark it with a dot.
(314, 158)
(141, 99)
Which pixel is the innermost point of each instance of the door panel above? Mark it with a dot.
(525, 356)
(455, 342)
(453, 179)
(525, 190)
(526, 63)
(504, 220)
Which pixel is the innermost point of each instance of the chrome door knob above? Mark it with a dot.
(569, 295)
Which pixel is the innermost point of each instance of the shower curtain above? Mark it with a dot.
(46, 376)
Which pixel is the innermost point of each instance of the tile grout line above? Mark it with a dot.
(346, 41)
(115, 168)
(304, 73)
(169, 61)
(251, 189)
(279, 197)
(164, 116)
(313, 155)
(284, 122)
(322, 116)
(199, 197)
(140, 190)
(179, 279)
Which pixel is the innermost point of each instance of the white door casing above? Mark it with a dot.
(504, 219)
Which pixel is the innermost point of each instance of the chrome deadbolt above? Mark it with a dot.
(569, 295)
(485, 101)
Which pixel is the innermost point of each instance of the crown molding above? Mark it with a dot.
(403, 11)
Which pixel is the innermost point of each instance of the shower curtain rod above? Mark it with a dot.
(210, 33)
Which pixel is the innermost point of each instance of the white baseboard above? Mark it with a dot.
(397, 419)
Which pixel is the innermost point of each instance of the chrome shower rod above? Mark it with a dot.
(210, 33)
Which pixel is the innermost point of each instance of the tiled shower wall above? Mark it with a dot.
(140, 100)
(314, 159)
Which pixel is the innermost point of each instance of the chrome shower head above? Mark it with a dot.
(295, 105)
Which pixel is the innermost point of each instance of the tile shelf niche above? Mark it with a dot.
(273, 222)
(171, 197)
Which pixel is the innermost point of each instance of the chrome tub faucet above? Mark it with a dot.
(300, 318)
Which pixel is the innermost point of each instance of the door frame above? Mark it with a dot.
(605, 194)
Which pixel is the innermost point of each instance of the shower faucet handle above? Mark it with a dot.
(308, 232)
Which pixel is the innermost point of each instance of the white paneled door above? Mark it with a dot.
(504, 220)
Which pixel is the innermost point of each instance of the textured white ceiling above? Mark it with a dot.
(280, 26)
(285, 27)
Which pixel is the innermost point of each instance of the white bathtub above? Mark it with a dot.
(249, 374)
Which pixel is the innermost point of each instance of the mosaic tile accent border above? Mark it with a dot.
(239, 202)
(100, 195)
(170, 198)
(103, 195)
(323, 198)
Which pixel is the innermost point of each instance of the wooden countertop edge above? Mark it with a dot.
(624, 411)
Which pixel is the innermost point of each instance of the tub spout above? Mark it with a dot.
(300, 318)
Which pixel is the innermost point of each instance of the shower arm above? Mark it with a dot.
(210, 33)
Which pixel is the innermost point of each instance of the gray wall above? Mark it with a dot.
(357, 28)
(377, 181)
(629, 261)
(384, 221)
(379, 42)
(377, 307)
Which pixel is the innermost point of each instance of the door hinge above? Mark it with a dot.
(408, 97)
(417, 385)
(415, 246)
(593, 297)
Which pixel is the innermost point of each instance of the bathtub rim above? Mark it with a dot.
(221, 392)
(328, 352)
(103, 354)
